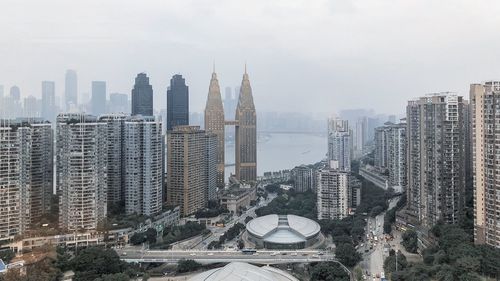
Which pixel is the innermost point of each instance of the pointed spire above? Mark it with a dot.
(213, 67)
(245, 67)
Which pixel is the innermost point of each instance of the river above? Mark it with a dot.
(278, 151)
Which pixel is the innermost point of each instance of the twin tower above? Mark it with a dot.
(245, 122)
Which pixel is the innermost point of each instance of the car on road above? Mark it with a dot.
(273, 254)
(192, 254)
(210, 254)
(124, 254)
(315, 256)
(304, 254)
(294, 254)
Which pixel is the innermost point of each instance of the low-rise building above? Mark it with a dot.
(235, 199)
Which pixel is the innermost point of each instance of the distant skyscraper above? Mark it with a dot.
(143, 165)
(177, 102)
(246, 133)
(484, 99)
(214, 123)
(339, 143)
(82, 156)
(333, 194)
(187, 180)
(1, 91)
(118, 103)
(436, 164)
(48, 100)
(71, 89)
(15, 93)
(142, 96)
(98, 99)
(32, 107)
(26, 174)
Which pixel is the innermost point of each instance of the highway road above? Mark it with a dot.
(373, 259)
(207, 257)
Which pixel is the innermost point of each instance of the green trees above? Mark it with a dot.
(327, 271)
(455, 257)
(187, 266)
(7, 255)
(410, 241)
(347, 254)
(180, 232)
(391, 261)
(146, 236)
(300, 204)
(95, 262)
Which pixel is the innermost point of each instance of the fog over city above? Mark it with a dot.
(309, 56)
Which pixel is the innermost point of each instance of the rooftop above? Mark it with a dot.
(238, 271)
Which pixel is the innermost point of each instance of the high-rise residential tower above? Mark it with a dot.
(48, 100)
(484, 100)
(390, 153)
(26, 174)
(214, 123)
(143, 165)
(339, 143)
(187, 179)
(82, 157)
(98, 99)
(177, 102)
(435, 158)
(142, 96)
(246, 133)
(333, 194)
(70, 89)
(115, 156)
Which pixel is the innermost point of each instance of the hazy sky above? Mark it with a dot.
(302, 55)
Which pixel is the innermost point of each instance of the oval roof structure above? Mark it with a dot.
(283, 229)
(239, 271)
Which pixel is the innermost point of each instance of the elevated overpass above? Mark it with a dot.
(209, 257)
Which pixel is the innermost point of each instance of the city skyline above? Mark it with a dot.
(346, 42)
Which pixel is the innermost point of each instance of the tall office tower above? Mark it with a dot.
(333, 194)
(339, 143)
(177, 103)
(211, 166)
(304, 178)
(214, 123)
(82, 157)
(115, 157)
(390, 153)
(485, 113)
(15, 93)
(246, 133)
(435, 151)
(142, 96)
(186, 168)
(98, 99)
(26, 178)
(118, 103)
(70, 89)
(49, 100)
(32, 107)
(143, 165)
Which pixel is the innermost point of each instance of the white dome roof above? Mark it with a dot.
(238, 271)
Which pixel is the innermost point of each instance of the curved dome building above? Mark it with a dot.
(283, 232)
(239, 271)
